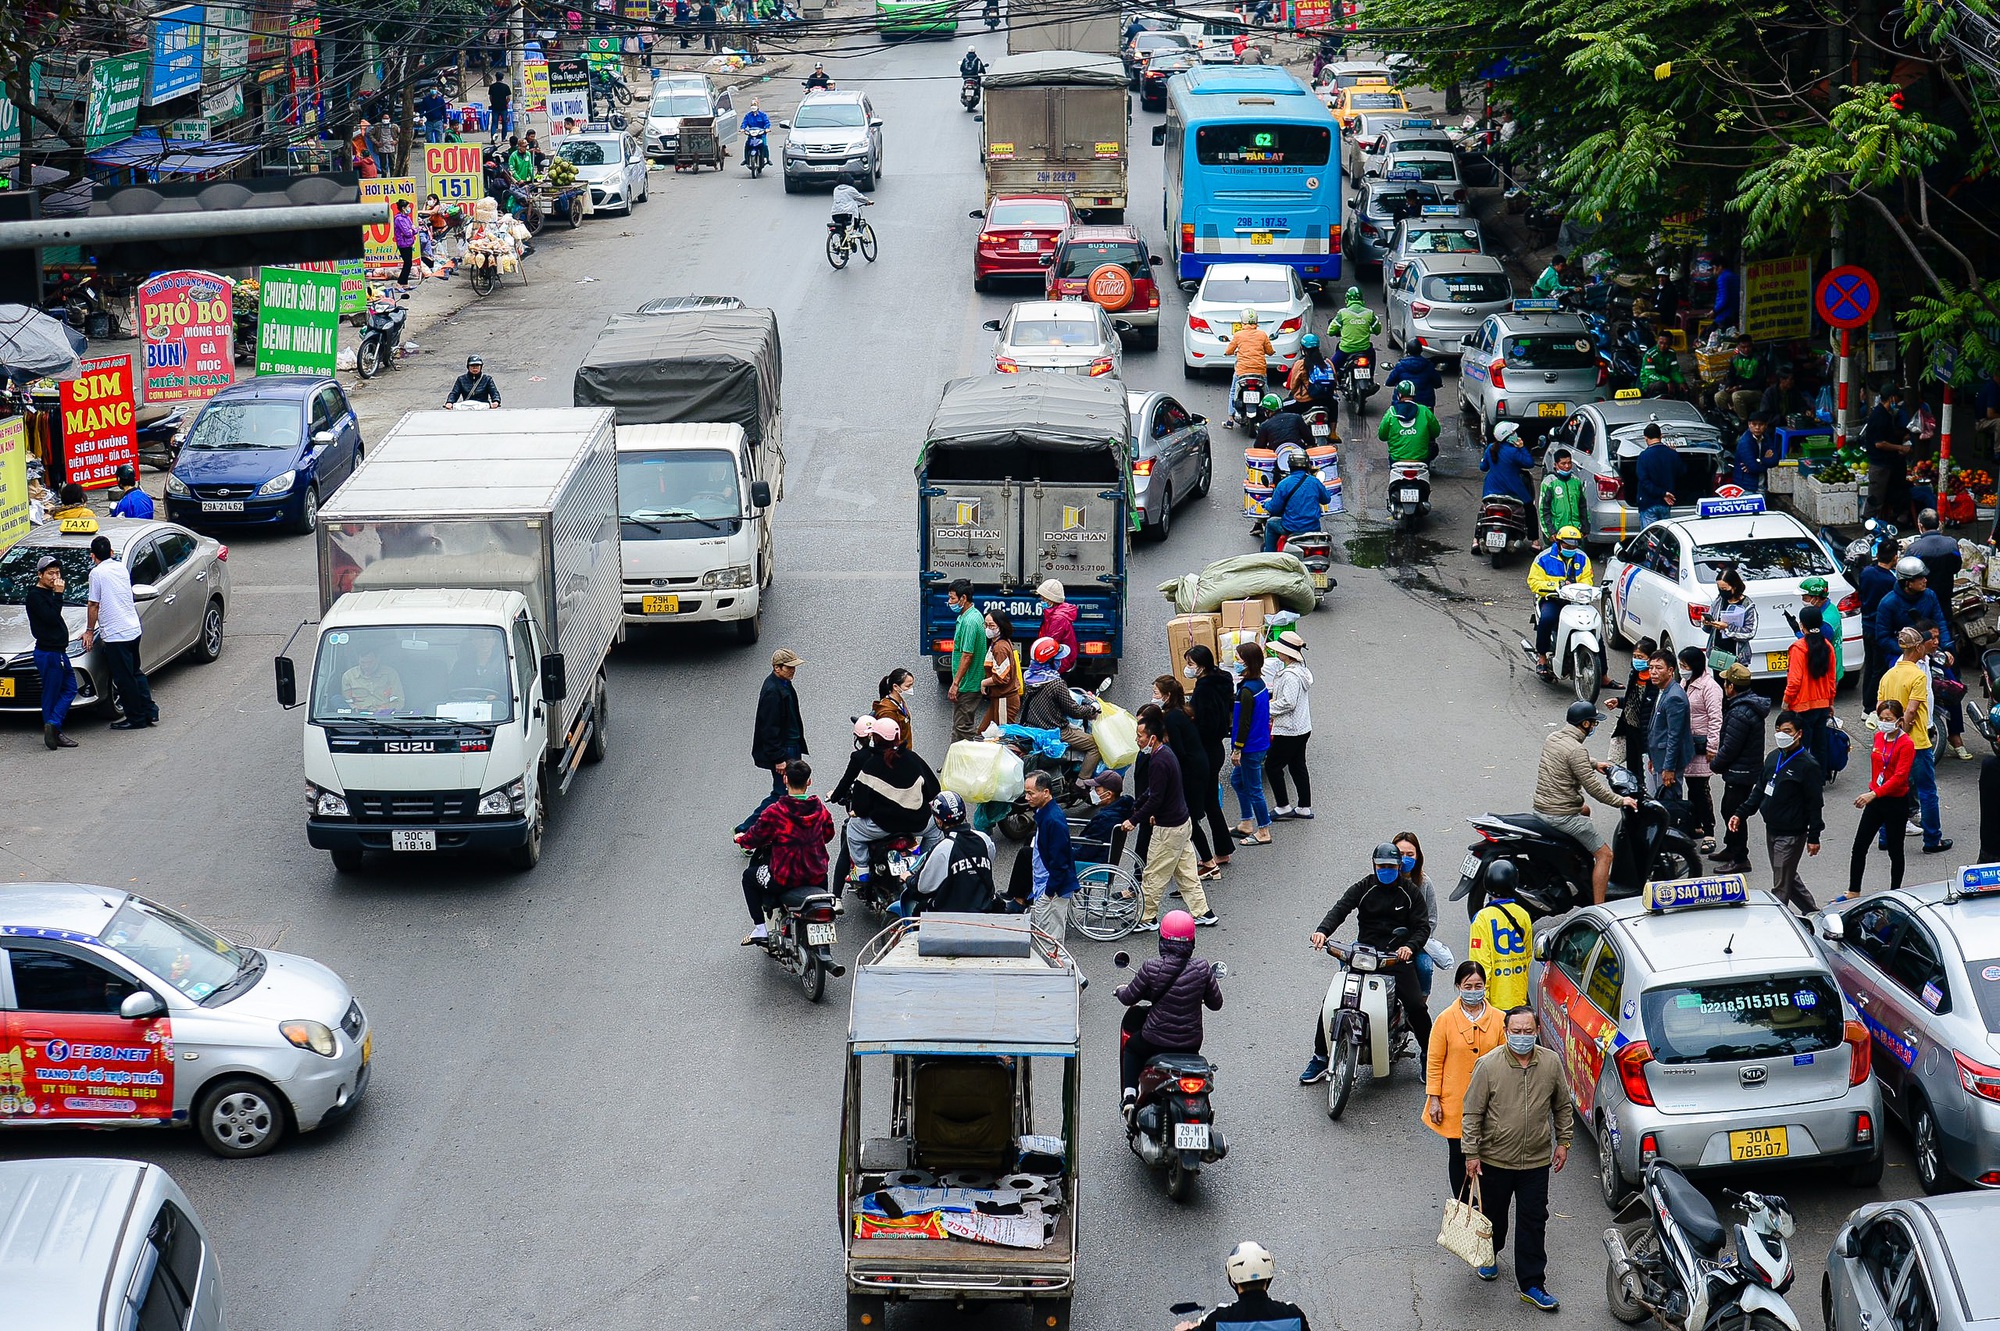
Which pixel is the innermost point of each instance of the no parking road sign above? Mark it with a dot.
(1847, 297)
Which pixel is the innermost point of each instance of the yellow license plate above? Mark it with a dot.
(659, 605)
(1777, 661)
(1552, 409)
(367, 1046)
(1260, 237)
(1759, 1144)
(6, 688)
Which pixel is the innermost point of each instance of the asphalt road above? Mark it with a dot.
(590, 1107)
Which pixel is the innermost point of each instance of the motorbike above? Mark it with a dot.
(968, 93)
(1579, 645)
(1555, 871)
(1172, 1125)
(1357, 381)
(992, 15)
(1318, 421)
(1409, 492)
(799, 933)
(160, 440)
(756, 151)
(381, 336)
(1665, 1259)
(1361, 1010)
(610, 84)
(1502, 529)
(1315, 551)
(893, 863)
(1247, 410)
(1859, 553)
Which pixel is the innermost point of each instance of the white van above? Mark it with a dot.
(102, 1245)
(694, 525)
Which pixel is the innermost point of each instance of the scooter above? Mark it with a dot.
(992, 14)
(1666, 1263)
(893, 863)
(1579, 642)
(381, 337)
(1502, 529)
(799, 933)
(1315, 551)
(1361, 1011)
(1409, 492)
(968, 93)
(756, 152)
(1555, 871)
(1172, 1125)
(1357, 381)
(1247, 411)
(1318, 421)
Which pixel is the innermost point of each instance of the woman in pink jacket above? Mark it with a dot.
(1705, 725)
(1059, 622)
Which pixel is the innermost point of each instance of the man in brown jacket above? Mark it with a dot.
(1517, 1126)
(1566, 774)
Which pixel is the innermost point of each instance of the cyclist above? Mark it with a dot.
(847, 205)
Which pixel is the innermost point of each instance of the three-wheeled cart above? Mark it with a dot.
(960, 1126)
(697, 145)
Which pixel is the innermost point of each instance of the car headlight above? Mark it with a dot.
(278, 485)
(325, 803)
(309, 1035)
(735, 576)
(177, 487)
(75, 648)
(510, 798)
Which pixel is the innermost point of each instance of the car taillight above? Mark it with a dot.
(1609, 487)
(1860, 1053)
(1370, 230)
(1153, 299)
(1199, 324)
(1143, 467)
(1850, 603)
(1006, 366)
(1864, 1126)
(1497, 372)
(1097, 649)
(1977, 1078)
(1649, 1149)
(1187, 237)
(1291, 325)
(1419, 308)
(1697, 615)
(1100, 366)
(1603, 374)
(1193, 1085)
(1632, 1061)
(222, 554)
(988, 238)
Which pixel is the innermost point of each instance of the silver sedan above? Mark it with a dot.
(1061, 336)
(1916, 1265)
(1171, 460)
(180, 581)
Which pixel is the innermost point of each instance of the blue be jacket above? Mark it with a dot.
(1507, 468)
(1297, 501)
(1669, 741)
(1658, 472)
(1899, 610)
(1422, 374)
(1750, 464)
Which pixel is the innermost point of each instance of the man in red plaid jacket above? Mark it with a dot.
(794, 833)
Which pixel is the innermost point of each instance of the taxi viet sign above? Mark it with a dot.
(1438, 210)
(1664, 894)
(98, 430)
(1402, 174)
(1979, 880)
(1733, 507)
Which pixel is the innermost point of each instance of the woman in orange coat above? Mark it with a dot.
(1461, 1033)
(1810, 681)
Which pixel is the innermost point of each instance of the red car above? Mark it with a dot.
(1085, 249)
(1019, 235)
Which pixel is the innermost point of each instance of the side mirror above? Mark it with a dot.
(991, 325)
(1541, 947)
(875, 124)
(144, 1003)
(1159, 136)
(1155, 260)
(321, 438)
(288, 681)
(1198, 418)
(784, 124)
(977, 213)
(1849, 1243)
(1832, 927)
(1047, 260)
(1121, 960)
(760, 494)
(555, 677)
(144, 591)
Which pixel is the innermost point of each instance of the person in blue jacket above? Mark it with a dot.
(1875, 581)
(1507, 465)
(1658, 472)
(1913, 600)
(1421, 372)
(1295, 505)
(1756, 453)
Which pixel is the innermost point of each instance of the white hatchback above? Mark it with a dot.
(1215, 312)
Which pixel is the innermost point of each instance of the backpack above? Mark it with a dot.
(1838, 746)
(1320, 376)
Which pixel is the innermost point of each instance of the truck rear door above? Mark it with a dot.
(1075, 532)
(972, 530)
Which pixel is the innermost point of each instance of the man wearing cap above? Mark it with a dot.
(779, 734)
(1887, 440)
(1059, 623)
(1756, 453)
(968, 660)
(475, 385)
(1110, 808)
(134, 503)
(45, 620)
(1812, 591)
(114, 624)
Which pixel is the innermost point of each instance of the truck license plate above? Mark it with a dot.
(819, 935)
(222, 505)
(407, 840)
(1496, 540)
(1552, 409)
(1190, 1136)
(1257, 238)
(659, 605)
(1411, 494)
(1759, 1144)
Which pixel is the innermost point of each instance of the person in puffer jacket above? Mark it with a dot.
(887, 790)
(1738, 759)
(1179, 985)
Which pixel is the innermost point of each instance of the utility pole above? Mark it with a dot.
(517, 65)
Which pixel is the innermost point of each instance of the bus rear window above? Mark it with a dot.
(1262, 145)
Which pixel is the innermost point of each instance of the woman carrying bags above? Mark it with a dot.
(1810, 681)
(1249, 745)
(1461, 1034)
(1885, 805)
(1001, 680)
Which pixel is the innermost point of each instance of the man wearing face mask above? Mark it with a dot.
(1565, 775)
(1391, 917)
(1552, 570)
(1517, 1127)
(1560, 503)
(1791, 797)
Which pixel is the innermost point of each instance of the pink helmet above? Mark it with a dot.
(885, 729)
(1177, 924)
(864, 726)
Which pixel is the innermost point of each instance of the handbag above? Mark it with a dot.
(1467, 1233)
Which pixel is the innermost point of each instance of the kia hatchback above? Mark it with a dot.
(1436, 299)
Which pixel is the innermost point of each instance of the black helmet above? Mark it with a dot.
(475, 360)
(1583, 713)
(1501, 878)
(1387, 856)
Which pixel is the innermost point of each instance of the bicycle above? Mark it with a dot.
(843, 241)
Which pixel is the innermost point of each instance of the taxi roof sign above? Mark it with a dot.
(1976, 880)
(1419, 123)
(1738, 507)
(1537, 305)
(1626, 395)
(1402, 174)
(1665, 894)
(83, 525)
(1439, 210)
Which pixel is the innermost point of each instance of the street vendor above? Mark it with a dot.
(520, 162)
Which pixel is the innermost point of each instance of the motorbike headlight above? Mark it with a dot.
(309, 1035)
(325, 803)
(1361, 961)
(735, 576)
(280, 484)
(511, 798)
(177, 487)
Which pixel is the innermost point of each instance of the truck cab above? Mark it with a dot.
(694, 526)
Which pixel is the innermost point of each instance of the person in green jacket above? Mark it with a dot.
(520, 162)
(1660, 374)
(1354, 327)
(1812, 591)
(1409, 427)
(1560, 502)
(1555, 278)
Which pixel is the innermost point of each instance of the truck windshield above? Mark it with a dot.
(413, 672)
(677, 495)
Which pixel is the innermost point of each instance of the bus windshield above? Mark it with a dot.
(1251, 144)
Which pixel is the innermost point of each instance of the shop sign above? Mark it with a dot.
(177, 47)
(117, 83)
(187, 326)
(98, 430)
(298, 322)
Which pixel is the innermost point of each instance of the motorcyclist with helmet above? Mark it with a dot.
(1393, 918)
(1409, 428)
(1178, 985)
(887, 790)
(1913, 600)
(1421, 373)
(819, 80)
(971, 67)
(1312, 379)
(1251, 346)
(475, 385)
(1296, 503)
(756, 131)
(1353, 328)
(1282, 425)
(1548, 573)
(957, 872)
(1250, 1268)
(1509, 466)
(1566, 773)
(1050, 705)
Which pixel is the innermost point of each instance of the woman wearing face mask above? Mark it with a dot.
(893, 702)
(1249, 745)
(1732, 620)
(1291, 726)
(1885, 805)
(1184, 738)
(1001, 682)
(1462, 1033)
(1635, 709)
(1704, 695)
(1412, 852)
(1211, 697)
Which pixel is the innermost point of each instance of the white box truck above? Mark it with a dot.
(469, 597)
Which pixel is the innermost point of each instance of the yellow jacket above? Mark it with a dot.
(1552, 568)
(1503, 943)
(1457, 1041)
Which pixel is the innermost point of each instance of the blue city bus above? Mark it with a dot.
(1252, 172)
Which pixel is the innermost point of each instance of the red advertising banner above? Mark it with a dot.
(90, 1066)
(186, 324)
(1312, 13)
(99, 435)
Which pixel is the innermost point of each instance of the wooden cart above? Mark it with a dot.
(697, 145)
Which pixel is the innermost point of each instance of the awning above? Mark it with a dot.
(914, 1010)
(148, 150)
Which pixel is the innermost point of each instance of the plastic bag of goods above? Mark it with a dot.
(982, 773)
(1116, 732)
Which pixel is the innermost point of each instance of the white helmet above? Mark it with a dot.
(1506, 432)
(1250, 1263)
(1249, 316)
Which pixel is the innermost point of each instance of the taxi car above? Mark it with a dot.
(1342, 74)
(1375, 207)
(1606, 438)
(1662, 581)
(1532, 365)
(1922, 964)
(1697, 1023)
(1918, 1264)
(118, 1011)
(1377, 138)
(1020, 231)
(1439, 168)
(1439, 228)
(1350, 102)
